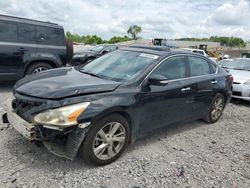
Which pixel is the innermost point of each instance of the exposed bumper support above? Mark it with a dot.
(67, 149)
(28, 130)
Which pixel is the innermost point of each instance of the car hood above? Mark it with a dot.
(240, 76)
(86, 53)
(61, 83)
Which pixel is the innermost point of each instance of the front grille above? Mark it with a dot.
(237, 93)
(21, 107)
(236, 83)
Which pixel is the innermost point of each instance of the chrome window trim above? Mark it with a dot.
(216, 72)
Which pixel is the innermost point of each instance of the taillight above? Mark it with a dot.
(231, 78)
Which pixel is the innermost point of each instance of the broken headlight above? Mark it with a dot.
(64, 116)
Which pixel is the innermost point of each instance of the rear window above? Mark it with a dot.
(198, 66)
(26, 33)
(50, 36)
(8, 32)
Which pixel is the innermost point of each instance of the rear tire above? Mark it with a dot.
(38, 67)
(216, 109)
(106, 140)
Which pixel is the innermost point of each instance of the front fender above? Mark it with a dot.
(122, 104)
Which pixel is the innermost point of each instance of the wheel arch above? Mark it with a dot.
(122, 112)
(50, 62)
(224, 94)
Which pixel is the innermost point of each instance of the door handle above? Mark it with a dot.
(214, 82)
(185, 89)
(22, 50)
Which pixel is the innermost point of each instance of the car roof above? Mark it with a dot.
(192, 49)
(161, 53)
(150, 47)
(28, 21)
(244, 59)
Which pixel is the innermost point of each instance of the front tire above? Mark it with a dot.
(216, 109)
(106, 141)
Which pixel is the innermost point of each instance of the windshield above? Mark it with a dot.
(238, 64)
(120, 65)
(97, 48)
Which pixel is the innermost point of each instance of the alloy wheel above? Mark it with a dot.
(39, 69)
(217, 108)
(109, 140)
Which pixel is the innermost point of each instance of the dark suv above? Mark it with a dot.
(29, 46)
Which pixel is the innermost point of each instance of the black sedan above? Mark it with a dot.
(84, 57)
(112, 101)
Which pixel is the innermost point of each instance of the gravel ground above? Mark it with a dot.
(194, 154)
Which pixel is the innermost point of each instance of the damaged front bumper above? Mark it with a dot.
(65, 143)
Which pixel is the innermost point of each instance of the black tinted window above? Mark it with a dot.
(173, 68)
(26, 33)
(8, 32)
(110, 48)
(198, 66)
(50, 36)
(214, 68)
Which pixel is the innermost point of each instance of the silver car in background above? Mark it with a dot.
(240, 69)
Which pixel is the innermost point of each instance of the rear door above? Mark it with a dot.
(27, 41)
(51, 42)
(163, 105)
(10, 55)
(202, 76)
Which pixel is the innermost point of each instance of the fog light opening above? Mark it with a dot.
(84, 125)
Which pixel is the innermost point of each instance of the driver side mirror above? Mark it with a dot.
(158, 80)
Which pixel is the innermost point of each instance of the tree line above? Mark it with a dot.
(94, 39)
(133, 31)
(224, 41)
(133, 34)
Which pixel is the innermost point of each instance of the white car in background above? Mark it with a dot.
(240, 69)
(199, 51)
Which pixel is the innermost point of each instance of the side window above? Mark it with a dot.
(214, 68)
(111, 48)
(8, 32)
(50, 36)
(26, 33)
(173, 68)
(198, 66)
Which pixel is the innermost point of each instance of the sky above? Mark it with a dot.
(170, 19)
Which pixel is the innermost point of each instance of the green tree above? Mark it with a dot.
(224, 41)
(117, 39)
(134, 30)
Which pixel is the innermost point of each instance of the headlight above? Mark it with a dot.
(79, 55)
(64, 116)
(247, 82)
